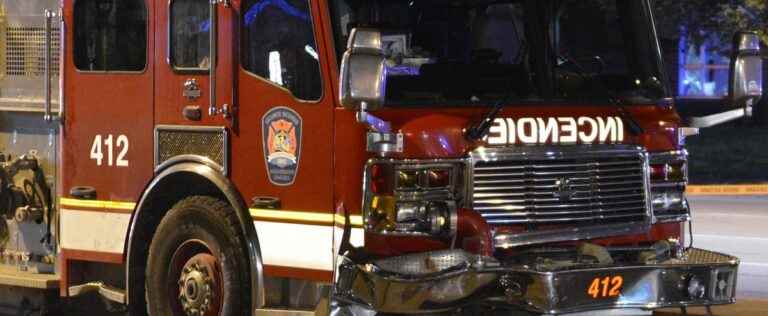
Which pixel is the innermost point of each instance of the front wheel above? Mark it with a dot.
(197, 263)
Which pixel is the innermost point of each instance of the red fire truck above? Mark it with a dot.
(349, 157)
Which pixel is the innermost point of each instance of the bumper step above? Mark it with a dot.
(445, 280)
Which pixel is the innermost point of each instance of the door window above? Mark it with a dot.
(190, 28)
(279, 45)
(110, 35)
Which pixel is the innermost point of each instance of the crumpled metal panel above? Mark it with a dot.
(422, 264)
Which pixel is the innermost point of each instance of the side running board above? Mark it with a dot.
(108, 292)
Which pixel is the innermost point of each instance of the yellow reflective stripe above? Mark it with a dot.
(320, 218)
(97, 204)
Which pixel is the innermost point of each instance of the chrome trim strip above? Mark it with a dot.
(189, 158)
(568, 234)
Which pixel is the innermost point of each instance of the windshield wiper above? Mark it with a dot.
(633, 125)
(478, 131)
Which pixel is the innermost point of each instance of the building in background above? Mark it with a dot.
(703, 69)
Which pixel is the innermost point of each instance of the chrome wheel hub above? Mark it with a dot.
(196, 286)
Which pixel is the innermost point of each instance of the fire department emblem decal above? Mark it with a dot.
(281, 129)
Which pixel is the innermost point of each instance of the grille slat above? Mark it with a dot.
(563, 206)
(590, 209)
(553, 173)
(564, 166)
(537, 180)
(571, 187)
(560, 220)
(553, 186)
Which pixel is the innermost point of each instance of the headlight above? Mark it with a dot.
(669, 178)
(412, 198)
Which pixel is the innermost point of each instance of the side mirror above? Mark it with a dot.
(363, 72)
(746, 73)
(745, 87)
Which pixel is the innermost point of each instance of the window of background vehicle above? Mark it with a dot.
(189, 34)
(110, 35)
(279, 45)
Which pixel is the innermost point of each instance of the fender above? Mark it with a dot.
(212, 173)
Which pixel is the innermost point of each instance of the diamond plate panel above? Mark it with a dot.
(206, 142)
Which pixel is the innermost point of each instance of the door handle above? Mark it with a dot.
(48, 60)
(214, 48)
(225, 110)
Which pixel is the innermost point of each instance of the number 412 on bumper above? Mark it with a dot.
(605, 287)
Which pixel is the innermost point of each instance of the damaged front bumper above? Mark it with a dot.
(446, 280)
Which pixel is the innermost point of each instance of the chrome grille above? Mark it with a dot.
(580, 186)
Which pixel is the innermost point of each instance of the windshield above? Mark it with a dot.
(460, 52)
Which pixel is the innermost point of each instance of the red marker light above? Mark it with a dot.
(438, 178)
(381, 179)
(659, 172)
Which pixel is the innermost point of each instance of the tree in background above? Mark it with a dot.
(704, 19)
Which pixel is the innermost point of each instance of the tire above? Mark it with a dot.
(198, 245)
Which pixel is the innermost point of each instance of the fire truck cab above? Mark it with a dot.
(349, 157)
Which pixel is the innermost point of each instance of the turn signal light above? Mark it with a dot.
(674, 172)
(407, 179)
(414, 179)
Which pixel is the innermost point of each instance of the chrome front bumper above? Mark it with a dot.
(446, 280)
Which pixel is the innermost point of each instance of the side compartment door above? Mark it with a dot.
(107, 127)
(283, 147)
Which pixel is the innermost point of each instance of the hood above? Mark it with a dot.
(431, 133)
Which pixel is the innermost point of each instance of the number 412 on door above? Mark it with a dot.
(110, 144)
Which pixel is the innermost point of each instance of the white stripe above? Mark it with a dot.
(94, 231)
(298, 245)
(282, 244)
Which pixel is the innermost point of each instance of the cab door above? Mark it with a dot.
(283, 146)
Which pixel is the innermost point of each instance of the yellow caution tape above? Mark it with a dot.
(735, 189)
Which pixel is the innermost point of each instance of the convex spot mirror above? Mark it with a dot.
(363, 71)
(746, 72)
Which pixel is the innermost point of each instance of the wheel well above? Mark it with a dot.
(161, 196)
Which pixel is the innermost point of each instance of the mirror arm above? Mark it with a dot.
(372, 122)
(719, 118)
